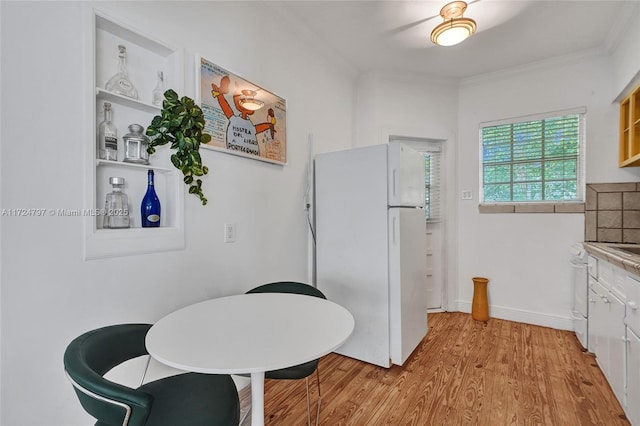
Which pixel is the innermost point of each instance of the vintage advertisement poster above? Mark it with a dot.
(241, 117)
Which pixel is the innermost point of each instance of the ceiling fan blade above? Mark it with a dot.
(406, 27)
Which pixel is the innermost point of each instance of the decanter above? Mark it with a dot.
(116, 208)
(158, 92)
(120, 83)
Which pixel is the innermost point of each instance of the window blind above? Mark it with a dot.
(533, 159)
(432, 184)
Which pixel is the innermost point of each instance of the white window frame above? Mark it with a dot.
(580, 184)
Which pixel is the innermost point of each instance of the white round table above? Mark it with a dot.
(249, 333)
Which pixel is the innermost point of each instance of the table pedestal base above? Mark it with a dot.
(257, 399)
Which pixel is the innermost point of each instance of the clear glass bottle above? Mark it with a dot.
(107, 136)
(158, 92)
(120, 83)
(116, 206)
(150, 207)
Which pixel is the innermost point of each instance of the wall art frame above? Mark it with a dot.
(225, 99)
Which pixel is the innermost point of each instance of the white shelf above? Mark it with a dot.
(134, 166)
(146, 56)
(105, 95)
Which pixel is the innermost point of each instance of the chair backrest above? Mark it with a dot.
(91, 355)
(288, 287)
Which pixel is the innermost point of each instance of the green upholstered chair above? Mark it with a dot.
(302, 371)
(185, 399)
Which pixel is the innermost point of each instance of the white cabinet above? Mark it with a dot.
(615, 333)
(633, 378)
(614, 327)
(632, 290)
(597, 322)
(145, 57)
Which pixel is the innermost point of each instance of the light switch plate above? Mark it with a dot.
(229, 232)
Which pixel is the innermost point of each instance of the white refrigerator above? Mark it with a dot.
(371, 247)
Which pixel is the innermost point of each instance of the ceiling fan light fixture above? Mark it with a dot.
(248, 100)
(455, 28)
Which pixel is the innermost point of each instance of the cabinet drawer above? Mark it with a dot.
(605, 274)
(632, 315)
(592, 266)
(618, 282)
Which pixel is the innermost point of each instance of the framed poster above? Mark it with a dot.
(241, 117)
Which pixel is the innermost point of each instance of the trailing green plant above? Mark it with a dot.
(180, 123)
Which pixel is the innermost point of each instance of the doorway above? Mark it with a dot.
(433, 152)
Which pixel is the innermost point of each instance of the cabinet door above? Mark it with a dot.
(632, 290)
(616, 343)
(633, 378)
(598, 342)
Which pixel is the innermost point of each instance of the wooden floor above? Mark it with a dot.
(464, 373)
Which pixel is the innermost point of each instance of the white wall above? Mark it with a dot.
(420, 107)
(49, 293)
(525, 255)
(626, 58)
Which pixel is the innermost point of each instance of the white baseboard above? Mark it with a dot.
(527, 317)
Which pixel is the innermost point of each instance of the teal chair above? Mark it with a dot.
(302, 371)
(185, 399)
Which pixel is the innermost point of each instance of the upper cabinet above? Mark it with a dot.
(145, 58)
(630, 130)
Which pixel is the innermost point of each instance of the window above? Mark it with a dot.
(533, 159)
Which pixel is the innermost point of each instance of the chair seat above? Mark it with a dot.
(175, 405)
(294, 373)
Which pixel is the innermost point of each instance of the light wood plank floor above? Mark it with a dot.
(464, 373)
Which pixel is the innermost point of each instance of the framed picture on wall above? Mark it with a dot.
(241, 117)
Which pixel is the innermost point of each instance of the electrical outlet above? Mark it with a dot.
(467, 195)
(229, 232)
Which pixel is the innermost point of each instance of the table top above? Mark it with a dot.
(249, 333)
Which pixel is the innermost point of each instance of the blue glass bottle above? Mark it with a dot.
(150, 207)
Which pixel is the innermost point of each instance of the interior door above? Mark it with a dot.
(435, 264)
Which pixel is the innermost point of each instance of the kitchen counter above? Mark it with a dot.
(611, 253)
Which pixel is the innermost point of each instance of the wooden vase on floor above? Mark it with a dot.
(480, 305)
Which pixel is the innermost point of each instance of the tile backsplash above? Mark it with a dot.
(612, 213)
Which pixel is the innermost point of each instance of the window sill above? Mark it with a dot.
(532, 208)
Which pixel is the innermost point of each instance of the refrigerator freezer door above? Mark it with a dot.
(351, 245)
(406, 176)
(407, 281)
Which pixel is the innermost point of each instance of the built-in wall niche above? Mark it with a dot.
(146, 55)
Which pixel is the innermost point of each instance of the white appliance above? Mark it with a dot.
(371, 246)
(580, 283)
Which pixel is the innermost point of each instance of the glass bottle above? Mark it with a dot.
(107, 136)
(150, 207)
(120, 83)
(158, 92)
(116, 207)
